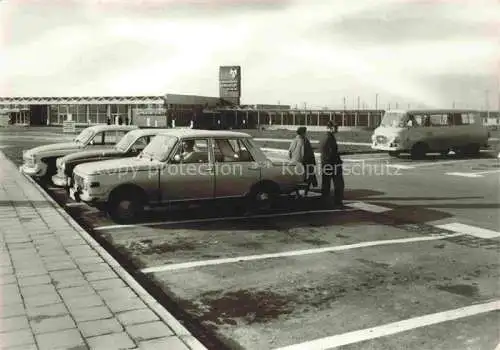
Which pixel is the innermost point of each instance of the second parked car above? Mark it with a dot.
(129, 146)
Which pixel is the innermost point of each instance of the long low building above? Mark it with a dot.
(177, 110)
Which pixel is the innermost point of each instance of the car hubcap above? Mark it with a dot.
(262, 197)
(125, 208)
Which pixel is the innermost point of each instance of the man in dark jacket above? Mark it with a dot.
(331, 167)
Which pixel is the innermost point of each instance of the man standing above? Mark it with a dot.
(331, 168)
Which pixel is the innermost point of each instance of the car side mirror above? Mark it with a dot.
(177, 158)
(92, 142)
(236, 156)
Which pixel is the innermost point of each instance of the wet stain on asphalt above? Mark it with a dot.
(251, 245)
(147, 247)
(246, 306)
(315, 241)
(374, 264)
(461, 289)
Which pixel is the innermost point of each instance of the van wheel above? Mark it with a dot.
(125, 207)
(263, 197)
(419, 150)
(394, 153)
(472, 150)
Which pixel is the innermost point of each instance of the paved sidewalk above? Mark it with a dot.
(60, 290)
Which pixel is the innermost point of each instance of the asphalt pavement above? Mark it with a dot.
(411, 263)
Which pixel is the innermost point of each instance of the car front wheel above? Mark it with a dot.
(125, 207)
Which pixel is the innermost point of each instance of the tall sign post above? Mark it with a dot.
(230, 84)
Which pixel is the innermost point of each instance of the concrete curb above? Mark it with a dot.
(179, 330)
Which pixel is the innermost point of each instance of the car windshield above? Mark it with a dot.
(85, 136)
(394, 119)
(160, 147)
(126, 142)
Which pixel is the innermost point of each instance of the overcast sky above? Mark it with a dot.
(430, 52)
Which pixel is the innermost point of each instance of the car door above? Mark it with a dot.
(188, 174)
(235, 168)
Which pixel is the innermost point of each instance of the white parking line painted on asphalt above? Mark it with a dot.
(464, 174)
(202, 263)
(469, 230)
(375, 157)
(193, 221)
(349, 143)
(369, 207)
(477, 174)
(280, 140)
(395, 327)
(427, 164)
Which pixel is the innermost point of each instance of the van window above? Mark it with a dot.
(439, 120)
(468, 118)
(394, 119)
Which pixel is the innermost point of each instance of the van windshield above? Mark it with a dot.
(394, 119)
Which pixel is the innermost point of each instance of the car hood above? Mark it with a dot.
(53, 148)
(101, 152)
(114, 166)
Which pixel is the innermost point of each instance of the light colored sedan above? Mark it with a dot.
(186, 165)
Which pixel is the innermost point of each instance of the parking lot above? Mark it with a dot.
(417, 246)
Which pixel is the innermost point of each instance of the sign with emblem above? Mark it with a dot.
(230, 83)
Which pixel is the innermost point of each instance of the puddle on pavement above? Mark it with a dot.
(243, 305)
(461, 289)
(146, 247)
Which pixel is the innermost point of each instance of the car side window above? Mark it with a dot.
(98, 139)
(140, 143)
(231, 150)
(113, 137)
(193, 151)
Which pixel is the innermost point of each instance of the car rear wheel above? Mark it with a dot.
(263, 197)
(126, 207)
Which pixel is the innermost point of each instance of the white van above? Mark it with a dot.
(425, 131)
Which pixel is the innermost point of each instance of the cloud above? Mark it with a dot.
(312, 51)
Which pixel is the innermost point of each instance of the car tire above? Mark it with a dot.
(126, 207)
(419, 150)
(51, 170)
(263, 197)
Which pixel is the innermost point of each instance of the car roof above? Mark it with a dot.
(183, 133)
(106, 127)
(148, 132)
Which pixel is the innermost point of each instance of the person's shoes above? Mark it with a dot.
(339, 205)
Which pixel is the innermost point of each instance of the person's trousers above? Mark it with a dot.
(332, 173)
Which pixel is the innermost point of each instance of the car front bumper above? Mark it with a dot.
(61, 180)
(32, 170)
(386, 147)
